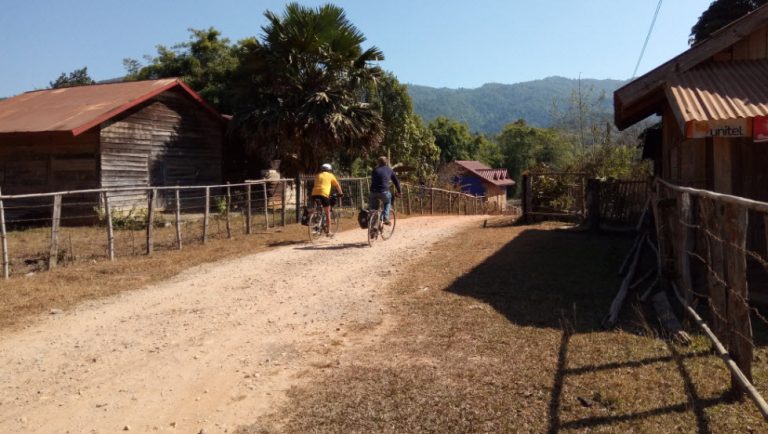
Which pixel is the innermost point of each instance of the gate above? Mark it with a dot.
(554, 195)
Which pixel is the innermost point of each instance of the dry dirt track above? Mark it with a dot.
(210, 349)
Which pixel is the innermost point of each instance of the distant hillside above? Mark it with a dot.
(489, 107)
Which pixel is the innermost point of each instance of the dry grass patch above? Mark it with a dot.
(497, 330)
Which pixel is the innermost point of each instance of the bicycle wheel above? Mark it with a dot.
(373, 227)
(335, 222)
(315, 226)
(388, 230)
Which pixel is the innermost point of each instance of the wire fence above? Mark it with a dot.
(713, 248)
(46, 230)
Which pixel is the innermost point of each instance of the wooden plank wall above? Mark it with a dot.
(750, 48)
(170, 140)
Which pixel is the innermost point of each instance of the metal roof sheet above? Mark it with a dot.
(720, 90)
(497, 177)
(77, 109)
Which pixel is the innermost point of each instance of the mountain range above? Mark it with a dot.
(491, 106)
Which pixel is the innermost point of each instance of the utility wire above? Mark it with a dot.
(647, 37)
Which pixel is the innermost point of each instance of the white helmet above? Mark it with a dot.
(327, 167)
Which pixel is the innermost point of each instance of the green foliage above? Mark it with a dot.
(78, 77)
(524, 146)
(488, 108)
(454, 140)
(206, 63)
(305, 86)
(719, 14)
(133, 220)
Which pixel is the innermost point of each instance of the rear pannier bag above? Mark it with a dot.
(362, 218)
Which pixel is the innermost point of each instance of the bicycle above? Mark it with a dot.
(376, 226)
(318, 221)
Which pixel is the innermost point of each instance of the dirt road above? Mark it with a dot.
(210, 349)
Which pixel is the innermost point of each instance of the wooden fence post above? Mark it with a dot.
(284, 189)
(228, 208)
(593, 205)
(4, 236)
(684, 246)
(360, 190)
(527, 199)
(248, 214)
(298, 187)
(734, 235)
(408, 198)
(178, 219)
(266, 206)
(206, 214)
(110, 232)
(710, 213)
(432, 201)
(55, 223)
(151, 220)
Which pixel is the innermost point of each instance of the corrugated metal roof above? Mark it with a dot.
(77, 109)
(720, 90)
(497, 177)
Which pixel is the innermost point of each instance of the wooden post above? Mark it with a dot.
(450, 202)
(151, 220)
(248, 214)
(593, 205)
(421, 201)
(408, 198)
(178, 219)
(527, 197)
(710, 221)
(110, 232)
(684, 246)
(362, 196)
(298, 187)
(228, 208)
(266, 207)
(55, 223)
(283, 185)
(432, 201)
(734, 234)
(4, 240)
(206, 214)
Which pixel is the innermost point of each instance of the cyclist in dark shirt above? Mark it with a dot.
(381, 177)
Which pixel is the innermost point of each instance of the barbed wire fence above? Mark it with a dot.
(46, 230)
(713, 248)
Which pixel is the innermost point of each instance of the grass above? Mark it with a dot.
(497, 330)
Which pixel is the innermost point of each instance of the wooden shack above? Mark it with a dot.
(474, 177)
(129, 134)
(713, 103)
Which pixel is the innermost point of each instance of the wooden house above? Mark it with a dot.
(713, 103)
(713, 134)
(474, 177)
(129, 134)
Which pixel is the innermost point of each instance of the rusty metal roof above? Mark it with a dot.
(78, 109)
(720, 90)
(497, 177)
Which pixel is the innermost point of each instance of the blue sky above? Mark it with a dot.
(443, 43)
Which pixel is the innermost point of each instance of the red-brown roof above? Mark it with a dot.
(498, 177)
(719, 91)
(78, 109)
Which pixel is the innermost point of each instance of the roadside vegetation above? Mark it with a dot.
(497, 330)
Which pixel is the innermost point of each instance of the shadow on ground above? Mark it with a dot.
(565, 279)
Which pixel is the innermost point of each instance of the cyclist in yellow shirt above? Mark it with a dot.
(321, 192)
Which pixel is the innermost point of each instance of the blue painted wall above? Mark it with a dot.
(470, 184)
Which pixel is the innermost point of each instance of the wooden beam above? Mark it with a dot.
(206, 214)
(178, 220)
(248, 215)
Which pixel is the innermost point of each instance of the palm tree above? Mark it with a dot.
(303, 89)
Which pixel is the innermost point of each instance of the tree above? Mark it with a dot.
(78, 77)
(304, 86)
(454, 140)
(406, 141)
(525, 146)
(719, 14)
(206, 63)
